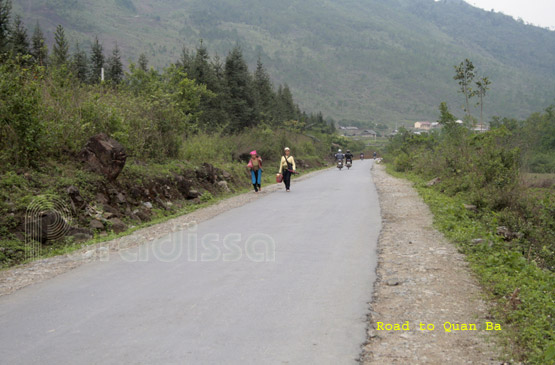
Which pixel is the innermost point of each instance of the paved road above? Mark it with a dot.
(283, 280)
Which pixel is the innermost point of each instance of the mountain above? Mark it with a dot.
(386, 61)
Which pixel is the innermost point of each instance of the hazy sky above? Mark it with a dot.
(537, 12)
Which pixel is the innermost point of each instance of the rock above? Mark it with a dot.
(89, 254)
(169, 204)
(507, 233)
(143, 215)
(109, 209)
(96, 225)
(433, 182)
(470, 207)
(120, 198)
(148, 205)
(392, 282)
(226, 175)
(51, 225)
(104, 155)
(108, 215)
(74, 194)
(117, 225)
(101, 198)
(477, 241)
(192, 194)
(223, 185)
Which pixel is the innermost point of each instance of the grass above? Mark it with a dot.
(527, 318)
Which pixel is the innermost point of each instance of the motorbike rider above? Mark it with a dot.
(339, 156)
(349, 157)
(362, 155)
(375, 155)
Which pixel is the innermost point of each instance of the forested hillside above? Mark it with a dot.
(366, 60)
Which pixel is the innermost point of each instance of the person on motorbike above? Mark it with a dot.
(339, 156)
(375, 155)
(362, 155)
(349, 157)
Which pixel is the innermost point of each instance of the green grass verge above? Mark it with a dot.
(528, 318)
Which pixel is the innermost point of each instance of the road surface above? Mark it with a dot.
(283, 280)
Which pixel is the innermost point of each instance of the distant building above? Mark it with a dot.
(423, 125)
(480, 128)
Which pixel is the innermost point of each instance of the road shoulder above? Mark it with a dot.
(422, 281)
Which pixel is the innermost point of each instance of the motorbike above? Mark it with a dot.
(349, 163)
(361, 157)
(339, 164)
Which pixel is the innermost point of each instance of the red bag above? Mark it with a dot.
(279, 178)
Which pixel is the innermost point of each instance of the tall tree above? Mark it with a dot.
(5, 13)
(80, 64)
(114, 66)
(39, 49)
(60, 50)
(201, 69)
(19, 41)
(143, 62)
(286, 105)
(263, 91)
(464, 74)
(482, 86)
(97, 62)
(185, 61)
(240, 103)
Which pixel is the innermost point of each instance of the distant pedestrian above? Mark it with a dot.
(255, 167)
(287, 167)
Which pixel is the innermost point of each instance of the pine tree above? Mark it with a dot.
(185, 61)
(240, 103)
(5, 13)
(39, 50)
(80, 64)
(19, 41)
(201, 69)
(60, 50)
(97, 62)
(143, 62)
(286, 105)
(263, 92)
(115, 67)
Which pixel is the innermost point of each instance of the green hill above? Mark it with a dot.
(367, 60)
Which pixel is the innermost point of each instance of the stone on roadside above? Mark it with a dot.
(117, 225)
(96, 225)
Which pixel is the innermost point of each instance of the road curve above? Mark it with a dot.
(283, 280)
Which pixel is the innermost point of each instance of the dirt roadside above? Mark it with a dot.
(422, 279)
(18, 277)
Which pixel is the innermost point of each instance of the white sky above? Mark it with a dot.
(537, 12)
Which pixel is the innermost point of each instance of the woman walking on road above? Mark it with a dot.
(255, 167)
(287, 167)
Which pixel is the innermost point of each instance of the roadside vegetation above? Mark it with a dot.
(186, 130)
(493, 194)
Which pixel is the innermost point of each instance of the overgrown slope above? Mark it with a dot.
(384, 61)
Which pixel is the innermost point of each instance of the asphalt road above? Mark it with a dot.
(283, 280)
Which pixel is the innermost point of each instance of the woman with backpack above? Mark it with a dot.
(255, 167)
(287, 167)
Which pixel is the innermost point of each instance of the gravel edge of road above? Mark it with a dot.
(20, 276)
(416, 272)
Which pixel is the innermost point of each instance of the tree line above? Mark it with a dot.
(151, 111)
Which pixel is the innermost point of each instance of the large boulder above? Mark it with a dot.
(104, 155)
